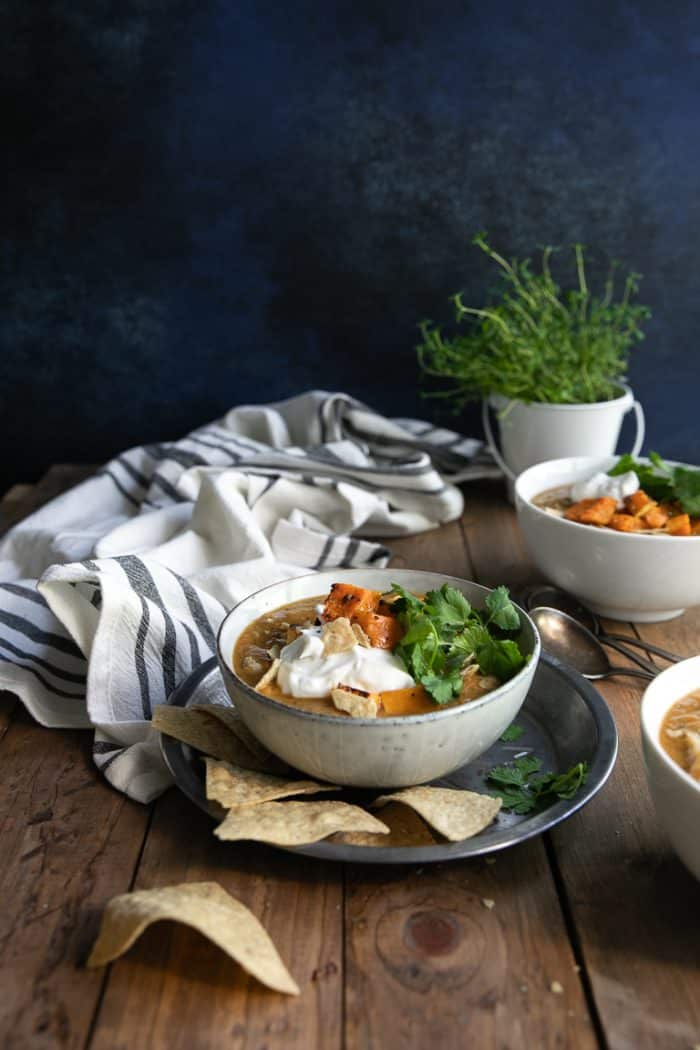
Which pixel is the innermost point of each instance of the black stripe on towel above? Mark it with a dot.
(57, 672)
(145, 586)
(30, 630)
(49, 688)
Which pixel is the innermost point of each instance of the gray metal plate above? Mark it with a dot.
(565, 721)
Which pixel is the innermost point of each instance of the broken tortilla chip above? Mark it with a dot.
(260, 757)
(356, 702)
(206, 907)
(337, 636)
(362, 638)
(406, 828)
(270, 674)
(455, 814)
(233, 786)
(295, 823)
(198, 729)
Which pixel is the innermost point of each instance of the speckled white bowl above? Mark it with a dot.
(676, 794)
(626, 576)
(365, 752)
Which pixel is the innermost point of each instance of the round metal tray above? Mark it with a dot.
(565, 720)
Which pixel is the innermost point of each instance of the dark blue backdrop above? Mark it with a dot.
(213, 203)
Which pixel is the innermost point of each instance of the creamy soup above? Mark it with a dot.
(296, 624)
(680, 733)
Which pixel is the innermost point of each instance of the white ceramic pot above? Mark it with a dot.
(372, 752)
(537, 432)
(676, 794)
(622, 575)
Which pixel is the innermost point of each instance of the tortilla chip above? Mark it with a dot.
(455, 814)
(406, 828)
(362, 638)
(258, 757)
(270, 674)
(204, 906)
(356, 702)
(295, 823)
(338, 636)
(200, 730)
(232, 786)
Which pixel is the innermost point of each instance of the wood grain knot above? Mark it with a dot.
(432, 933)
(429, 947)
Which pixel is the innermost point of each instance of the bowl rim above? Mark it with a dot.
(652, 739)
(619, 536)
(395, 720)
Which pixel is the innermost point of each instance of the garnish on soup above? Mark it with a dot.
(365, 654)
(680, 733)
(632, 497)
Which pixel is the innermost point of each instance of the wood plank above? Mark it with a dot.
(175, 990)
(629, 900)
(428, 963)
(68, 843)
(634, 906)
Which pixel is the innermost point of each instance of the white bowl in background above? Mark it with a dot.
(366, 752)
(676, 794)
(621, 575)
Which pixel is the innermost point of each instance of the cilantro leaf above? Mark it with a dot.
(405, 600)
(512, 734)
(442, 689)
(503, 612)
(500, 658)
(448, 605)
(687, 489)
(521, 790)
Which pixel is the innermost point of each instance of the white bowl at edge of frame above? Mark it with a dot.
(621, 575)
(676, 794)
(373, 753)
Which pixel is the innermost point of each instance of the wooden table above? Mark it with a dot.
(594, 939)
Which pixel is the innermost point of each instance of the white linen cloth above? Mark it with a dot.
(137, 566)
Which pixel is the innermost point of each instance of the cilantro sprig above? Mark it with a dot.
(522, 787)
(443, 632)
(663, 482)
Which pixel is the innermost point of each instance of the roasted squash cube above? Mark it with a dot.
(626, 523)
(656, 518)
(678, 525)
(383, 631)
(347, 600)
(639, 503)
(592, 511)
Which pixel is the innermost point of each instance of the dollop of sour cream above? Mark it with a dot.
(600, 485)
(305, 670)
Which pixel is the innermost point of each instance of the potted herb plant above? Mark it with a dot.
(551, 363)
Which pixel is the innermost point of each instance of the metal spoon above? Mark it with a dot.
(554, 598)
(574, 644)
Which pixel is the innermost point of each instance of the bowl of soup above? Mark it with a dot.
(670, 718)
(349, 710)
(641, 576)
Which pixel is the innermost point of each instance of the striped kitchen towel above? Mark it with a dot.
(137, 565)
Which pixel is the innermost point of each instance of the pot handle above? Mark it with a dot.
(493, 447)
(639, 439)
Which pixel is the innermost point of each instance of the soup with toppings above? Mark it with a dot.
(680, 733)
(352, 652)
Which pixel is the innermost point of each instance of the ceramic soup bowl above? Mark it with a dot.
(372, 752)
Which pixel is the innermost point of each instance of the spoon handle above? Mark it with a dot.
(640, 644)
(638, 660)
(633, 672)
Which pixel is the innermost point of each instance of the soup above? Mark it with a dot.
(680, 734)
(344, 654)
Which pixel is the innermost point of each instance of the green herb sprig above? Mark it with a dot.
(663, 482)
(443, 633)
(537, 343)
(522, 790)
